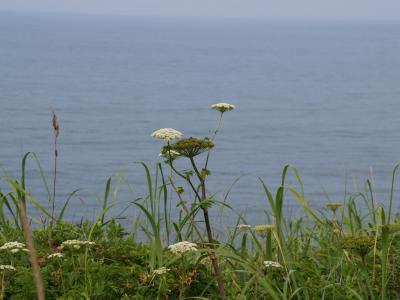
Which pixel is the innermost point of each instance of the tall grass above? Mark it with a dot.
(351, 252)
(348, 250)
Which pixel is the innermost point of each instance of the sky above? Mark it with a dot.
(286, 9)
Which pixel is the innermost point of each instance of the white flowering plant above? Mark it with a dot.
(190, 148)
(7, 267)
(75, 244)
(223, 107)
(272, 264)
(167, 134)
(13, 247)
(182, 247)
(55, 255)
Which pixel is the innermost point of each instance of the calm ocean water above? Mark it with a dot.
(323, 96)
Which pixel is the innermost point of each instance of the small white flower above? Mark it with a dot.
(182, 247)
(169, 153)
(272, 264)
(76, 244)
(243, 226)
(167, 134)
(7, 267)
(160, 271)
(55, 255)
(223, 107)
(14, 247)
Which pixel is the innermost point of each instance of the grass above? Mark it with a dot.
(350, 250)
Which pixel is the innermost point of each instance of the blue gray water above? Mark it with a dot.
(323, 96)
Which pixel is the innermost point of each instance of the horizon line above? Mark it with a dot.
(101, 14)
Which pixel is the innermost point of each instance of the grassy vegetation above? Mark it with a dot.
(351, 250)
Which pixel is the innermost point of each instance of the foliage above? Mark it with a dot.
(346, 251)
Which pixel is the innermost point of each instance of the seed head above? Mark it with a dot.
(189, 147)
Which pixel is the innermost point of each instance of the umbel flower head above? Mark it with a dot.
(7, 267)
(334, 206)
(272, 264)
(75, 244)
(14, 247)
(169, 154)
(160, 271)
(189, 147)
(167, 134)
(223, 107)
(55, 255)
(182, 247)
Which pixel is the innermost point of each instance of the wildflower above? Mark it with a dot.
(334, 206)
(7, 267)
(272, 264)
(362, 245)
(261, 228)
(189, 147)
(160, 271)
(14, 247)
(76, 244)
(167, 134)
(169, 154)
(223, 107)
(55, 255)
(243, 226)
(182, 247)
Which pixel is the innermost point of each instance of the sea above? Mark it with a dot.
(322, 96)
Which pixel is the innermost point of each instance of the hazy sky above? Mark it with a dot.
(346, 9)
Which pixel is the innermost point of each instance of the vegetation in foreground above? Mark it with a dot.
(351, 250)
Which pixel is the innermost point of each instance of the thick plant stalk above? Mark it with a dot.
(32, 252)
(214, 262)
(185, 209)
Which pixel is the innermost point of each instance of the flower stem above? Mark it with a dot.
(214, 261)
(213, 138)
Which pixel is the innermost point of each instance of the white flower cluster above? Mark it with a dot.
(55, 255)
(167, 134)
(76, 244)
(243, 226)
(160, 271)
(7, 267)
(182, 247)
(171, 153)
(223, 107)
(272, 264)
(14, 247)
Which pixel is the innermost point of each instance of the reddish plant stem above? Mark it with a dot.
(214, 262)
(32, 251)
